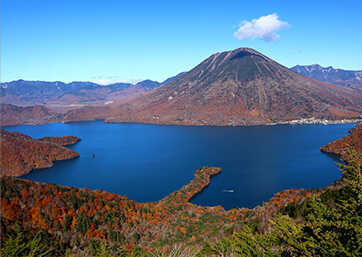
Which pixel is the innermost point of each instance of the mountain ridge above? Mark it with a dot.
(330, 74)
(57, 93)
(240, 87)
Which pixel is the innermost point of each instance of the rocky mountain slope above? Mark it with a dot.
(240, 87)
(20, 153)
(330, 75)
(341, 147)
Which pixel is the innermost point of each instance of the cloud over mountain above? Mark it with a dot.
(264, 28)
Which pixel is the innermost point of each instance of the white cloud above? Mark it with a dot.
(264, 28)
(104, 82)
(107, 80)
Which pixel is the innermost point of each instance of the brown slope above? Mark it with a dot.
(241, 87)
(87, 113)
(20, 154)
(63, 141)
(15, 115)
(341, 147)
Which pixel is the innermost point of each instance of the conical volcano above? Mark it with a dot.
(241, 87)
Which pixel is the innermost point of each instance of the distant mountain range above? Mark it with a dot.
(241, 87)
(28, 93)
(330, 75)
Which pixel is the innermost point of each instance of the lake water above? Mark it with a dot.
(147, 162)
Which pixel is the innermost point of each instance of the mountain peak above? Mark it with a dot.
(242, 49)
(316, 66)
(245, 50)
(237, 53)
(241, 65)
(241, 87)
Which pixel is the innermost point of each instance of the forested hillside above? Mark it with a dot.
(39, 219)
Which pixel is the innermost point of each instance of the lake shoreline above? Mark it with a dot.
(307, 121)
(171, 153)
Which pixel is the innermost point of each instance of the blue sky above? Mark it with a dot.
(90, 40)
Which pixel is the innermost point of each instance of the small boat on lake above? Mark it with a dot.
(229, 191)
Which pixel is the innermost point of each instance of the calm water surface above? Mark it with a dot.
(147, 162)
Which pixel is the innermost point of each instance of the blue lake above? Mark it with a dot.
(147, 162)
